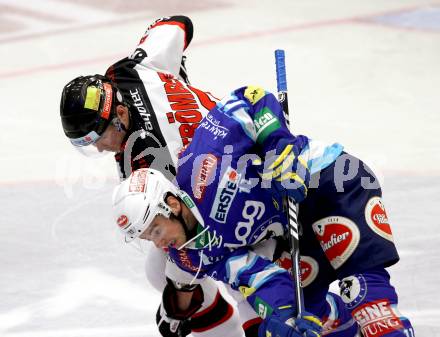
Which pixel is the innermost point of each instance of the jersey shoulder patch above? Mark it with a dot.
(254, 93)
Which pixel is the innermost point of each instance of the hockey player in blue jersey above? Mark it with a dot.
(231, 179)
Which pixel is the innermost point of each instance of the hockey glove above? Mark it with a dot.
(282, 323)
(287, 170)
(169, 327)
(171, 321)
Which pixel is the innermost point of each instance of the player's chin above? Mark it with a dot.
(171, 244)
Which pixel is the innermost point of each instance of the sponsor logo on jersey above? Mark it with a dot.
(254, 93)
(338, 237)
(309, 270)
(138, 102)
(185, 109)
(377, 318)
(207, 238)
(212, 125)
(204, 175)
(377, 219)
(309, 267)
(285, 261)
(226, 193)
(262, 308)
(353, 290)
(137, 181)
(185, 261)
(187, 200)
(265, 123)
(122, 221)
(270, 228)
(247, 232)
(253, 210)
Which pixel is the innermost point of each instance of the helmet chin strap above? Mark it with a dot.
(122, 127)
(119, 125)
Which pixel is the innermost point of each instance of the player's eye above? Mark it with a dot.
(154, 230)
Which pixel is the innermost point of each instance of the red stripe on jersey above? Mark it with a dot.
(225, 311)
(246, 325)
(204, 98)
(212, 306)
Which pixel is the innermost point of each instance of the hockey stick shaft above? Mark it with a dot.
(292, 210)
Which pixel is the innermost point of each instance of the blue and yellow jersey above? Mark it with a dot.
(222, 172)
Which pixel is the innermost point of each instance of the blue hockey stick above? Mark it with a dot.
(292, 210)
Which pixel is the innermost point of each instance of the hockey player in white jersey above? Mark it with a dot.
(144, 110)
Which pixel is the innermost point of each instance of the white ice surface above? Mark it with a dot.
(363, 73)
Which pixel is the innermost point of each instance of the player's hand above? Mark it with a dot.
(169, 327)
(283, 323)
(288, 171)
(171, 319)
(308, 325)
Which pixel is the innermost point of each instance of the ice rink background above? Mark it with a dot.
(363, 73)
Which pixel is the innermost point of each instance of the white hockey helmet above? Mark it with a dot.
(138, 199)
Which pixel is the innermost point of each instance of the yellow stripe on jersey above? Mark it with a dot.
(303, 162)
(292, 176)
(313, 319)
(281, 164)
(282, 156)
(287, 165)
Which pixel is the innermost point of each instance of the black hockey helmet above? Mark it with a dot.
(87, 107)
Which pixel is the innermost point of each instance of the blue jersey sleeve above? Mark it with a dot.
(373, 301)
(267, 118)
(262, 122)
(265, 285)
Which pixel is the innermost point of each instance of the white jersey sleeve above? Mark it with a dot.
(163, 44)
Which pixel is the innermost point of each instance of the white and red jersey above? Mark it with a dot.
(164, 109)
(164, 112)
